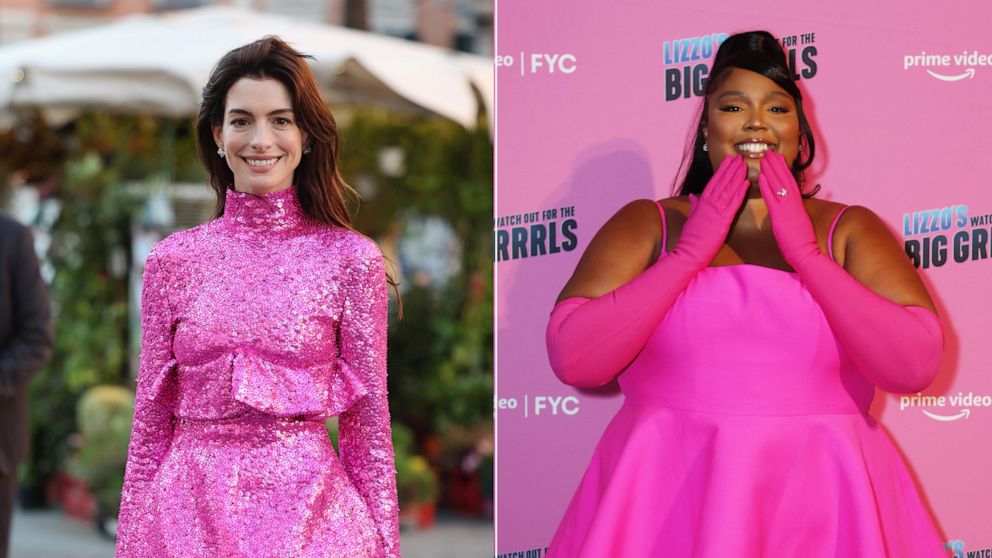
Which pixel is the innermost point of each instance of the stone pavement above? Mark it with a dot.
(49, 534)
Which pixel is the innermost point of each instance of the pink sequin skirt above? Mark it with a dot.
(257, 486)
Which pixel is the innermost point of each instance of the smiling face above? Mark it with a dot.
(260, 136)
(749, 114)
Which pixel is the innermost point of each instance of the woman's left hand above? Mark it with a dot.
(791, 225)
(876, 305)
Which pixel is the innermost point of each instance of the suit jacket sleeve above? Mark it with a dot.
(30, 344)
(365, 438)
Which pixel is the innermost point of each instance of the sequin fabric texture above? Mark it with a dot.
(257, 327)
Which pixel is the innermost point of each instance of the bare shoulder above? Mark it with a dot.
(636, 225)
(860, 226)
(823, 215)
(859, 218)
(677, 210)
(679, 204)
(640, 214)
(874, 256)
(823, 209)
(622, 248)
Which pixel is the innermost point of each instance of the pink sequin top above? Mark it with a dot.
(257, 327)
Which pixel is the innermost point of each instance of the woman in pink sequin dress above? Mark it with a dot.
(257, 327)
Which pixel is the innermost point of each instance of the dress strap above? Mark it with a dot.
(830, 233)
(664, 228)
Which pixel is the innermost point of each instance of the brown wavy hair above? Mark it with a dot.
(322, 191)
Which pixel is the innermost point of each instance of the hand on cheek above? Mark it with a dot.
(791, 225)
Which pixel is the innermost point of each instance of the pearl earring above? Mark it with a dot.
(706, 147)
(307, 150)
(221, 153)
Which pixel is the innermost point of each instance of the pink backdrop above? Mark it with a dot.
(583, 126)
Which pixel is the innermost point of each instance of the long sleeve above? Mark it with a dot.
(151, 432)
(365, 438)
(897, 347)
(30, 345)
(590, 341)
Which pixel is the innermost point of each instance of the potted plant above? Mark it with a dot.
(418, 491)
(104, 418)
(416, 482)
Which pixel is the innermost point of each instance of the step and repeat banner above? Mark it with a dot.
(596, 102)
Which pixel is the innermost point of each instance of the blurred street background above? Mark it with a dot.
(97, 99)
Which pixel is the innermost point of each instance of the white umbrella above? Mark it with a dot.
(160, 63)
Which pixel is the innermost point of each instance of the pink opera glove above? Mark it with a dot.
(897, 347)
(365, 438)
(591, 340)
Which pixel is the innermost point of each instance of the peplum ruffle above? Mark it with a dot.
(319, 391)
(283, 391)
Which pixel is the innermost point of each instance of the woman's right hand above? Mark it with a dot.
(613, 302)
(712, 213)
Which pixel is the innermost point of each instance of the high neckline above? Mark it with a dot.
(278, 211)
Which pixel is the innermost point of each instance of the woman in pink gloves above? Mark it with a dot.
(256, 328)
(748, 325)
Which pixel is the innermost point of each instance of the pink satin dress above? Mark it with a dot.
(256, 328)
(745, 432)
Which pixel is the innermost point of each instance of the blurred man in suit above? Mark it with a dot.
(25, 346)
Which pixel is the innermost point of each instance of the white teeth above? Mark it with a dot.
(260, 162)
(753, 147)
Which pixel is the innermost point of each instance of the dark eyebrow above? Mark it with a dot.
(245, 112)
(779, 94)
(741, 94)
